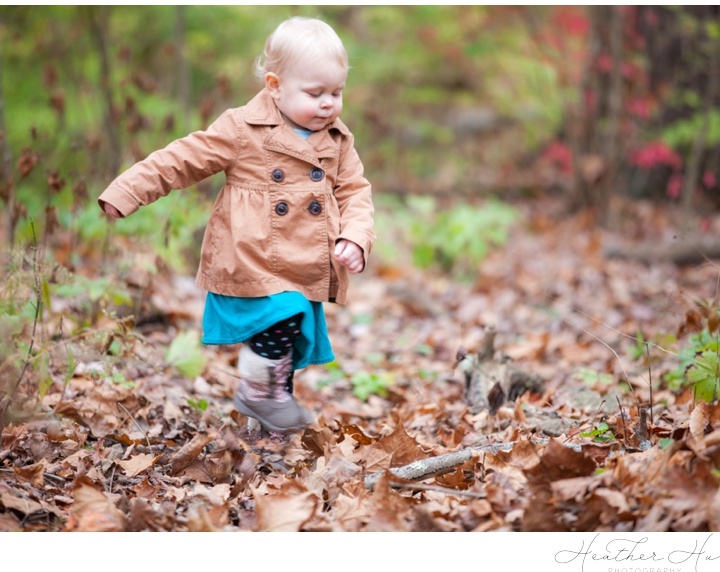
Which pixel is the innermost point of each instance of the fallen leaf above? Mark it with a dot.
(189, 452)
(92, 510)
(285, 511)
(137, 464)
(33, 474)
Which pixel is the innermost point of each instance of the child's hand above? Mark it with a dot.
(350, 255)
(111, 211)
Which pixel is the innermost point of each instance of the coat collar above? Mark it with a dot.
(261, 110)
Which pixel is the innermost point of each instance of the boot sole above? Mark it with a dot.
(240, 406)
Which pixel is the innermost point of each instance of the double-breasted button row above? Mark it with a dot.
(316, 174)
(282, 208)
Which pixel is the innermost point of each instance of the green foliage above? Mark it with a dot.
(698, 366)
(601, 434)
(665, 442)
(682, 133)
(185, 354)
(92, 294)
(29, 356)
(366, 383)
(199, 405)
(639, 350)
(591, 377)
(335, 373)
(455, 240)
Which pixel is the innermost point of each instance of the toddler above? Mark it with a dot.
(294, 216)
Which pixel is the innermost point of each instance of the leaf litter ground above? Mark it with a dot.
(140, 447)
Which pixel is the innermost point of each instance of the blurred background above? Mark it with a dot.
(458, 112)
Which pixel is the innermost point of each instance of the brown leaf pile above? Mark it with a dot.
(129, 452)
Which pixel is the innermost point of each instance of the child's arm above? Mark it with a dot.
(181, 164)
(354, 196)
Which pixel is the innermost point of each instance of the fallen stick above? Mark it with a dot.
(435, 466)
(424, 468)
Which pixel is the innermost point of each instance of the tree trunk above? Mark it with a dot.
(612, 150)
(7, 188)
(183, 68)
(692, 174)
(98, 18)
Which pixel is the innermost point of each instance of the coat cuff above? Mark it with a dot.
(120, 199)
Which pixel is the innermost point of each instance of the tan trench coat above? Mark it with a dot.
(285, 202)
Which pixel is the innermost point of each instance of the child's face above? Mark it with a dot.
(310, 94)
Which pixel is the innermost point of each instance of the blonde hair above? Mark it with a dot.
(295, 38)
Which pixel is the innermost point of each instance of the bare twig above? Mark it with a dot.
(137, 425)
(435, 466)
(622, 416)
(642, 430)
(647, 349)
(424, 468)
(112, 478)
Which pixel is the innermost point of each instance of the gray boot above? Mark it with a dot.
(262, 395)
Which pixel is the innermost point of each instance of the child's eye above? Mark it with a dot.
(314, 93)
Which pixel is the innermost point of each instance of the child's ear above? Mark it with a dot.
(272, 83)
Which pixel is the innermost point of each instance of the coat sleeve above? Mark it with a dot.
(354, 196)
(181, 164)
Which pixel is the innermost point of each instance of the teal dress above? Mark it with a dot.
(231, 320)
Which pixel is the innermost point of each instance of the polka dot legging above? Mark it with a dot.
(277, 341)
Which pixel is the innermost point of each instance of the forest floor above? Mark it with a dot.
(127, 443)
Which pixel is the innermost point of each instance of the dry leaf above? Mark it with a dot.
(92, 510)
(34, 474)
(285, 511)
(189, 452)
(137, 464)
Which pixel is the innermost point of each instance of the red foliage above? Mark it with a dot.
(572, 20)
(674, 186)
(655, 154)
(709, 180)
(640, 107)
(559, 155)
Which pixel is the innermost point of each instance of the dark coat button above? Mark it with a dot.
(317, 174)
(278, 175)
(281, 208)
(315, 208)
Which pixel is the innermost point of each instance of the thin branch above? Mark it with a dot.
(647, 349)
(622, 416)
(700, 142)
(440, 465)
(137, 425)
(6, 177)
(424, 468)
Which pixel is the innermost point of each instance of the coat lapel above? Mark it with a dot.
(261, 110)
